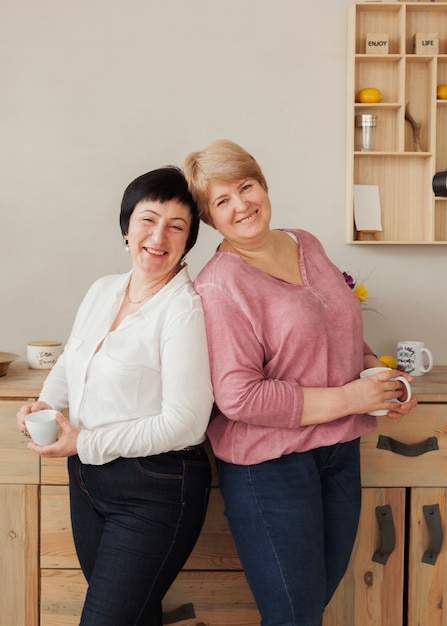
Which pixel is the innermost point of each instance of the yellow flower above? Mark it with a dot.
(361, 292)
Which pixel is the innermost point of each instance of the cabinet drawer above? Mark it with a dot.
(219, 598)
(18, 465)
(56, 540)
(427, 581)
(215, 549)
(382, 467)
(371, 591)
(53, 471)
(61, 597)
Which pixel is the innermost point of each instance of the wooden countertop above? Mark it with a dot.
(431, 387)
(21, 382)
(18, 465)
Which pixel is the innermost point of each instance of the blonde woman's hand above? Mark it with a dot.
(373, 393)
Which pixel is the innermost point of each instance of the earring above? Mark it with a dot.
(126, 245)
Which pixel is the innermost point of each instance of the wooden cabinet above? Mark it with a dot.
(18, 548)
(41, 583)
(212, 578)
(397, 574)
(19, 514)
(398, 569)
(402, 171)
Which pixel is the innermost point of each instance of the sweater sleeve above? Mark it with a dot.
(367, 350)
(242, 390)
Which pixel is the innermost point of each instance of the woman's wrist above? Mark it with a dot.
(370, 360)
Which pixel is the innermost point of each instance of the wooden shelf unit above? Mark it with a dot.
(411, 214)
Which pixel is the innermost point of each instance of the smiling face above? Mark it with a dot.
(157, 236)
(240, 211)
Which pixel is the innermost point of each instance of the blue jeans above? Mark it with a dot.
(294, 521)
(135, 522)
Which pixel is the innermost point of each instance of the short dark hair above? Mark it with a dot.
(160, 185)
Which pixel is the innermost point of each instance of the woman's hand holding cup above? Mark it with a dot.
(25, 410)
(383, 392)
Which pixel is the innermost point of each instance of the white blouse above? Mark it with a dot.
(148, 389)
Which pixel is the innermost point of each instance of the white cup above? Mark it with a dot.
(375, 370)
(42, 426)
(42, 355)
(412, 355)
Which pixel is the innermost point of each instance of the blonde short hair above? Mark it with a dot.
(223, 160)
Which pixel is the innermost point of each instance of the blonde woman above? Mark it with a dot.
(286, 349)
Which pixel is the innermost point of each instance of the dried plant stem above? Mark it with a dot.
(416, 127)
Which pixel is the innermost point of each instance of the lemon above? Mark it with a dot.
(369, 95)
(388, 361)
(441, 92)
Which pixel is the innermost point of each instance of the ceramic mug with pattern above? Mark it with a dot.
(414, 358)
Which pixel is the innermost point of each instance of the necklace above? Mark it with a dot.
(151, 293)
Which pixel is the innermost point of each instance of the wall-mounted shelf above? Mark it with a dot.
(410, 212)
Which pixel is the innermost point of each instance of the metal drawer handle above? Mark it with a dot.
(384, 517)
(433, 520)
(407, 449)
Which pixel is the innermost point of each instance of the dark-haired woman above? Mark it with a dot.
(135, 377)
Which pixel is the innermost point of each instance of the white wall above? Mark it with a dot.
(96, 92)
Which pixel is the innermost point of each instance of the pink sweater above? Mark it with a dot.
(269, 338)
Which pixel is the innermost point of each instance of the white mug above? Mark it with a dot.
(375, 370)
(42, 355)
(42, 426)
(412, 355)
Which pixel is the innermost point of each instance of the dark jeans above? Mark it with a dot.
(294, 521)
(135, 522)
